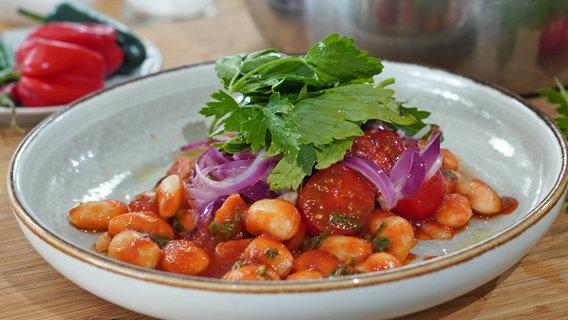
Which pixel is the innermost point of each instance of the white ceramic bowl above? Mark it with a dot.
(121, 140)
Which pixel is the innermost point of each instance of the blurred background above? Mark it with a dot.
(519, 44)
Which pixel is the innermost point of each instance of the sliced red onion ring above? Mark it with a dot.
(407, 174)
(410, 171)
(211, 157)
(208, 214)
(218, 174)
(261, 190)
(204, 189)
(387, 198)
(230, 185)
(228, 169)
(198, 144)
(431, 156)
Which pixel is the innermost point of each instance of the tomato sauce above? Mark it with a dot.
(510, 204)
(342, 229)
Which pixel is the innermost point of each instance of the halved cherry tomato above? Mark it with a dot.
(336, 198)
(425, 201)
(380, 146)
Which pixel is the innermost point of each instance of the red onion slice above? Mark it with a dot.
(204, 189)
(410, 171)
(231, 185)
(387, 198)
(407, 174)
(211, 157)
(431, 156)
(198, 145)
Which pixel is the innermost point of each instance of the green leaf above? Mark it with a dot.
(305, 109)
(332, 152)
(224, 104)
(257, 130)
(336, 59)
(411, 129)
(290, 172)
(7, 63)
(338, 113)
(7, 57)
(230, 68)
(559, 98)
(284, 133)
(290, 73)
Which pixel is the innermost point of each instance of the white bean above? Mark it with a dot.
(277, 218)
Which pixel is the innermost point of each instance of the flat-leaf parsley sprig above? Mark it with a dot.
(305, 109)
(559, 98)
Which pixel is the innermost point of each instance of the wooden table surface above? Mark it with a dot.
(534, 288)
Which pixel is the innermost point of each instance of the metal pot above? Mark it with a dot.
(521, 45)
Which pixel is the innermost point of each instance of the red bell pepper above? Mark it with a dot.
(98, 37)
(56, 73)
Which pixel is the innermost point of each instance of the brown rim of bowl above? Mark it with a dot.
(342, 283)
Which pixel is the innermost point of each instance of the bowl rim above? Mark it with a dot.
(341, 283)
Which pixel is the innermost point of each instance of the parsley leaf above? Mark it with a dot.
(559, 98)
(307, 110)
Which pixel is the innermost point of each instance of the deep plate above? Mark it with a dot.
(32, 115)
(129, 134)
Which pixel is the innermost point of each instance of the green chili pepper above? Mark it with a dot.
(134, 50)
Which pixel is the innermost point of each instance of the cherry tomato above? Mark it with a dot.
(425, 201)
(381, 146)
(336, 198)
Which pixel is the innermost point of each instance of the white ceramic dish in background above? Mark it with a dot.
(130, 132)
(27, 116)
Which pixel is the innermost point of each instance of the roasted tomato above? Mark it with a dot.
(335, 199)
(425, 201)
(381, 146)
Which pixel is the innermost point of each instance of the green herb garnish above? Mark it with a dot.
(342, 221)
(314, 242)
(226, 230)
(559, 98)
(160, 240)
(271, 253)
(305, 109)
(380, 244)
(7, 64)
(7, 75)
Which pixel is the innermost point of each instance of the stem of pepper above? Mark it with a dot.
(6, 100)
(8, 75)
(32, 15)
